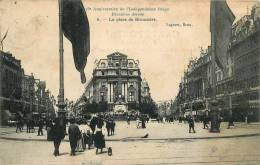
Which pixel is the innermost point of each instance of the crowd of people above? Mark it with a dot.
(80, 140)
(92, 134)
(30, 125)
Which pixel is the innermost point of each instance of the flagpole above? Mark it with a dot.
(213, 105)
(61, 105)
(213, 53)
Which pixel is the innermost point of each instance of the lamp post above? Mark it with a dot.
(47, 103)
(52, 103)
(31, 93)
(61, 104)
(214, 113)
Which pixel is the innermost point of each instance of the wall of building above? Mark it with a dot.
(117, 80)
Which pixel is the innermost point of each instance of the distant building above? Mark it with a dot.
(145, 91)
(21, 95)
(10, 86)
(28, 93)
(195, 86)
(117, 82)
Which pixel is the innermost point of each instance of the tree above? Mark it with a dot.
(149, 107)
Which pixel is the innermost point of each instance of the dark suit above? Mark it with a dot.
(57, 134)
(74, 135)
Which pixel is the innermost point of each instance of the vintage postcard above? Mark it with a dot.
(89, 82)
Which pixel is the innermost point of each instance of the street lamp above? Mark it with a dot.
(47, 102)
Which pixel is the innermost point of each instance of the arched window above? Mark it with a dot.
(131, 96)
(103, 65)
(131, 64)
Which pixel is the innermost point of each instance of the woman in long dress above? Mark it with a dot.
(80, 144)
(99, 137)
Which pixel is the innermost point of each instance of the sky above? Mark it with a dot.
(162, 49)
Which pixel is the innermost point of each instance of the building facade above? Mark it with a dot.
(238, 90)
(117, 82)
(21, 95)
(10, 85)
(245, 52)
(195, 87)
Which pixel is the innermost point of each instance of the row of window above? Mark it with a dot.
(117, 64)
(104, 83)
(243, 85)
(131, 96)
(116, 72)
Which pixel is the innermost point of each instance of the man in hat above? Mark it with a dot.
(74, 135)
(40, 124)
(57, 134)
(191, 124)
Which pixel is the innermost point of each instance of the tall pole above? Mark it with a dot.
(214, 107)
(61, 89)
(61, 105)
(213, 67)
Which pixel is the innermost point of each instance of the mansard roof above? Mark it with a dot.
(117, 54)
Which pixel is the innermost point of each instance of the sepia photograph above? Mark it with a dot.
(119, 82)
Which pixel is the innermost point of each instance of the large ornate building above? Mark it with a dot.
(237, 91)
(245, 52)
(117, 82)
(195, 87)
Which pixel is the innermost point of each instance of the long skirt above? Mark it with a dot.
(99, 140)
(80, 145)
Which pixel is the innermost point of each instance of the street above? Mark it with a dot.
(167, 143)
(214, 151)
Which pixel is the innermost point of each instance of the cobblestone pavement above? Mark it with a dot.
(231, 151)
(156, 131)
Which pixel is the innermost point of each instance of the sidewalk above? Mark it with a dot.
(155, 131)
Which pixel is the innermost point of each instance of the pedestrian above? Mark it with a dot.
(92, 124)
(88, 138)
(18, 126)
(31, 124)
(108, 126)
(80, 143)
(28, 127)
(147, 118)
(138, 122)
(191, 124)
(100, 123)
(205, 122)
(40, 124)
(99, 137)
(21, 123)
(113, 125)
(49, 127)
(56, 135)
(128, 120)
(74, 136)
(143, 122)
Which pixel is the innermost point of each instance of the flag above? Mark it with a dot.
(221, 20)
(75, 27)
